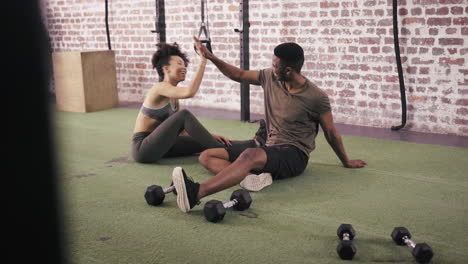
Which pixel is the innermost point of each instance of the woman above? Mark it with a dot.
(161, 130)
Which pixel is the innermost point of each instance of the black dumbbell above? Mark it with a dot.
(215, 210)
(346, 249)
(155, 194)
(422, 252)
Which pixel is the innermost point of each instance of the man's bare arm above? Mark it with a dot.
(230, 71)
(335, 141)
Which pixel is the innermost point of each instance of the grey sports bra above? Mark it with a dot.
(159, 113)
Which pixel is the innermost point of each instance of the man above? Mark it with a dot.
(294, 108)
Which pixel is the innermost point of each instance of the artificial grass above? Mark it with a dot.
(107, 220)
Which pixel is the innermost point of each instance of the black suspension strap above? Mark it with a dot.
(244, 57)
(107, 26)
(160, 21)
(400, 68)
(204, 27)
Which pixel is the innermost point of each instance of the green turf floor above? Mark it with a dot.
(422, 187)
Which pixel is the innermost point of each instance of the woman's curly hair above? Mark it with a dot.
(163, 54)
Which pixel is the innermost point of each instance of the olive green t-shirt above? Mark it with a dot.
(292, 118)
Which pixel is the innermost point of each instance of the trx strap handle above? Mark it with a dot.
(204, 28)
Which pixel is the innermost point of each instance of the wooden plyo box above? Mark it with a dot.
(85, 81)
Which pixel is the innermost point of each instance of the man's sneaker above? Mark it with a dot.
(186, 188)
(255, 183)
(261, 134)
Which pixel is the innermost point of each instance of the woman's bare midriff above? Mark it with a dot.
(145, 124)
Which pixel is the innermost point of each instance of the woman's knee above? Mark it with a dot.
(138, 157)
(184, 113)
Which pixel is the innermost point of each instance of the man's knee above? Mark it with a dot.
(254, 157)
(210, 154)
(204, 157)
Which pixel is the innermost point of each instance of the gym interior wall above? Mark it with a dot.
(348, 44)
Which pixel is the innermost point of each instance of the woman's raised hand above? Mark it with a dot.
(201, 49)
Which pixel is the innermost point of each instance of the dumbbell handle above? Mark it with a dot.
(230, 203)
(169, 189)
(409, 242)
(346, 236)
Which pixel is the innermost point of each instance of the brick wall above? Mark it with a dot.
(348, 45)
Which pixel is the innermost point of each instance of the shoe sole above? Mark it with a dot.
(179, 183)
(256, 183)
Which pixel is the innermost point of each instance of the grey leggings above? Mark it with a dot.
(164, 141)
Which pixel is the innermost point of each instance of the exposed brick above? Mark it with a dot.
(424, 70)
(448, 2)
(460, 121)
(385, 22)
(391, 96)
(290, 23)
(463, 82)
(381, 31)
(419, 61)
(365, 22)
(328, 4)
(425, 2)
(452, 51)
(423, 41)
(451, 31)
(334, 13)
(430, 11)
(391, 78)
(463, 102)
(368, 12)
(437, 51)
(416, 11)
(451, 41)
(344, 22)
(411, 50)
(446, 100)
(347, 93)
(413, 20)
(369, 41)
(423, 80)
(456, 10)
(460, 21)
(439, 21)
(349, 51)
(442, 11)
(379, 12)
(387, 49)
(411, 70)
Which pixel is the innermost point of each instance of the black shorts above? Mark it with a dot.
(283, 161)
